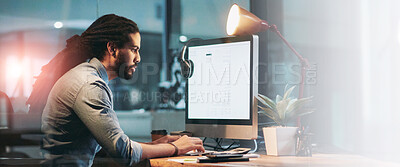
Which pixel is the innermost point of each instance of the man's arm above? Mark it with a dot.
(184, 145)
(164, 139)
(93, 107)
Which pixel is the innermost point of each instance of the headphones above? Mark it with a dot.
(187, 66)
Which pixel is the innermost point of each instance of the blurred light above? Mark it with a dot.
(58, 24)
(14, 67)
(233, 20)
(183, 38)
(242, 22)
(18, 75)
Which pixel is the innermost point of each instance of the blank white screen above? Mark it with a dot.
(220, 85)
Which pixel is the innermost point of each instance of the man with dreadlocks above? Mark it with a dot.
(78, 118)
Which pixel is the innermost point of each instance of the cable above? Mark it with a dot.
(234, 142)
(218, 146)
(204, 140)
(255, 146)
(218, 140)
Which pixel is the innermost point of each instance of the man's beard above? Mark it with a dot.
(122, 68)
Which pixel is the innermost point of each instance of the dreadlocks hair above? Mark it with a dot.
(91, 43)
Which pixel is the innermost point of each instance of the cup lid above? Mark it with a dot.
(159, 132)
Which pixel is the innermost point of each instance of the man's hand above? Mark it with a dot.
(186, 144)
(166, 139)
(161, 149)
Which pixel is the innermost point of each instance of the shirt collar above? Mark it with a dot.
(100, 69)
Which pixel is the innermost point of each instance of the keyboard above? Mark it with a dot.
(208, 152)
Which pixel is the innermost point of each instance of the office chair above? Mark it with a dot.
(6, 126)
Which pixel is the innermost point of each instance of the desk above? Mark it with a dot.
(318, 160)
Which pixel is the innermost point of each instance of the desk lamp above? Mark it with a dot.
(242, 22)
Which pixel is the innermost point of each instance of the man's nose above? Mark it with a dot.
(137, 58)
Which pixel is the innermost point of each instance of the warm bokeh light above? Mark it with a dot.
(14, 67)
(58, 24)
(19, 74)
(233, 20)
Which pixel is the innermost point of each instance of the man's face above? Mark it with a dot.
(128, 57)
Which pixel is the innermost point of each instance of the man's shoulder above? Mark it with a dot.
(79, 76)
(84, 72)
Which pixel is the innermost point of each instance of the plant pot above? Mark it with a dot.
(280, 140)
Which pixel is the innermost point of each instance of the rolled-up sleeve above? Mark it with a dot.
(93, 105)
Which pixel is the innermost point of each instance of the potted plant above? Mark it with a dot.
(281, 139)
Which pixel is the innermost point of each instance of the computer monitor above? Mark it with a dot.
(220, 96)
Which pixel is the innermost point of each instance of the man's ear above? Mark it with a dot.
(111, 49)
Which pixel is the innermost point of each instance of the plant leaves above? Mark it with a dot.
(270, 102)
(288, 92)
(286, 86)
(297, 104)
(262, 101)
(281, 108)
(290, 104)
(284, 109)
(278, 99)
(270, 112)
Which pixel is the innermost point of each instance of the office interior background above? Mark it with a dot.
(352, 47)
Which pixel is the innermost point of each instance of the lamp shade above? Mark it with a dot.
(242, 22)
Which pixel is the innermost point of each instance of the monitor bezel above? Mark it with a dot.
(251, 100)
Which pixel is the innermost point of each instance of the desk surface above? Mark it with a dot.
(318, 160)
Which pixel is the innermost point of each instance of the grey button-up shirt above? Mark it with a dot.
(79, 119)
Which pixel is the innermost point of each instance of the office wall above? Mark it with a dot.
(327, 34)
(355, 47)
(207, 18)
(29, 39)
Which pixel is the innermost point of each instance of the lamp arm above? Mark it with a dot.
(304, 64)
(304, 61)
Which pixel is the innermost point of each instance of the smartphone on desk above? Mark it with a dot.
(195, 153)
(214, 156)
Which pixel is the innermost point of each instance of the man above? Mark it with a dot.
(78, 119)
